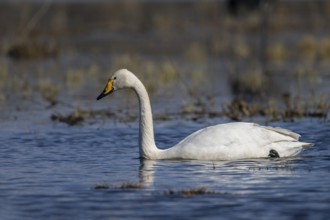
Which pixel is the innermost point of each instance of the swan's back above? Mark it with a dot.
(236, 141)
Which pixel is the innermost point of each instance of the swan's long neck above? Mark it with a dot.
(147, 144)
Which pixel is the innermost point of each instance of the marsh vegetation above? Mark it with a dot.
(197, 56)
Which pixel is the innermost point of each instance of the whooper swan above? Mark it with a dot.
(229, 141)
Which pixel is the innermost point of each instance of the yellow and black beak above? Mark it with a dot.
(107, 90)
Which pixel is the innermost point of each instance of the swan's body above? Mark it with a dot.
(229, 141)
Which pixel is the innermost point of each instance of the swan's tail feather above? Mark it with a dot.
(289, 149)
(305, 145)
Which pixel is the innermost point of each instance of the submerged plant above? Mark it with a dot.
(122, 186)
(190, 192)
(131, 185)
(101, 186)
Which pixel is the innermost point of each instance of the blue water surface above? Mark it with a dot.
(61, 172)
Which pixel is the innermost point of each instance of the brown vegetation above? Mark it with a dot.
(177, 49)
(71, 119)
(190, 192)
(122, 186)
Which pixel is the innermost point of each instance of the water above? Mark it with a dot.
(52, 173)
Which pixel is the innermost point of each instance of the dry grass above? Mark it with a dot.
(3, 82)
(196, 52)
(156, 74)
(71, 119)
(31, 49)
(324, 49)
(78, 116)
(277, 53)
(74, 78)
(49, 91)
(241, 48)
(293, 110)
(307, 47)
(252, 83)
(288, 109)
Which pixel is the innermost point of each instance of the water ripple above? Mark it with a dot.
(51, 174)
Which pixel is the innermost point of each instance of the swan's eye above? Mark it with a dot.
(114, 78)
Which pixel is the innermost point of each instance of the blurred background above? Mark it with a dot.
(231, 59)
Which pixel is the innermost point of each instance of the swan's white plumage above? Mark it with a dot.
(229, 141)
(236, 141)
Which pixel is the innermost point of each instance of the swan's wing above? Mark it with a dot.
(238, 133)
(281, 131)
(238, 140)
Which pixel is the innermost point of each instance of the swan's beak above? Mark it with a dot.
(107, 90)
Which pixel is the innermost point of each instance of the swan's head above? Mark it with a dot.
(121, 79)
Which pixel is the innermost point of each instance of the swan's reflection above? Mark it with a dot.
(218, 173)
(146, 172)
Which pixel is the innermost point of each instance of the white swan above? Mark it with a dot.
(220, 142)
